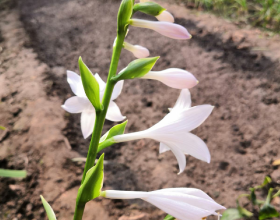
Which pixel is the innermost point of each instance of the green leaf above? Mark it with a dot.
(91, 85)
(136, 69)
(48, 208)
(169, 217)
(267, 211)
(231, 214)
(2, 128)
(150, 8)
(253, 197)
(13, 173)
(124, 15)
(266, 181)
(244, 212)
(107, 139)
(92, 185)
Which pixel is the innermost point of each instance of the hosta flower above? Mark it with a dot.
(165, 16)
(174, 77)
(173, 131)
(181, 203)
(138, 51)
(81, 104)
(167, 29)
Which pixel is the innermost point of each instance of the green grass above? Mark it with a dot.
(261, 13)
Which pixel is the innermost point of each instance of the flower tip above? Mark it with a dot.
(197, 81)
(190, 36)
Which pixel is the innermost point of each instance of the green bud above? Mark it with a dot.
(92, 185)
(125, 13)
(150, 8)
(90, 85)
(136, 69)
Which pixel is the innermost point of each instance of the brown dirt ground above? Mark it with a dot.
(238, 70)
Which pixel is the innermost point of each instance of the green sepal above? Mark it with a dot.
(124, 15)
(136, 69)
(150, 8)
(107, 139)
(90, 85)
(169, 217)
(48, 209)
(231, 214)
(13, 173)
(92, 185)
(253, 197)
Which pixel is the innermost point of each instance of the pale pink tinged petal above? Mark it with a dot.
(117, 90)
(178, 209)
(189, 191)
(187, 143)
(138, 51)
(167, 29)
(114, 113)
(186, 120)
(184, 101)
(165, 16)
(181, 158)
(206, 204)
(101, 83)
(174, 77)
(75, 83)
(75, 104)
(163, 148)
(87, 122)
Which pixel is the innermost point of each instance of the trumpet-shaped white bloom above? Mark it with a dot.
(138, 51)
(167, 29)
(173, 131)
(174, 77)
(81, 104)
(181, 203)
(165, 16)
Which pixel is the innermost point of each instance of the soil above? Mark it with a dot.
(238, 70)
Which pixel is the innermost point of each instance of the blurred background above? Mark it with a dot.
(234, 53)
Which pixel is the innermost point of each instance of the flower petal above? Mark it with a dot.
(181, 158)
(165, 16)
(187, 143)
(114, 113)
(184, 101)
(186, 120)
(178, 209)
(101, 83)
(117, 90)
(75, 83)
(174, 77)
(87, 121)
(75, 104)
(163, 148)
(167, 29)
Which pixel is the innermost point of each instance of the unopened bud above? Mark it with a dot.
(165, 16)
(138, 51)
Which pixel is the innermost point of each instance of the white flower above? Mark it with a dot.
(138, 51)
(174, 77)
(167, 29)
(173, 131)
(81, 104)
(165, 16)
(181, 203)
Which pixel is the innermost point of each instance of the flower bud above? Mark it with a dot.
(138, 51)
(167, 29)
(125, 13)
(165, 16)
(174, 77)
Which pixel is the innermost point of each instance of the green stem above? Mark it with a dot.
(100, 116)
